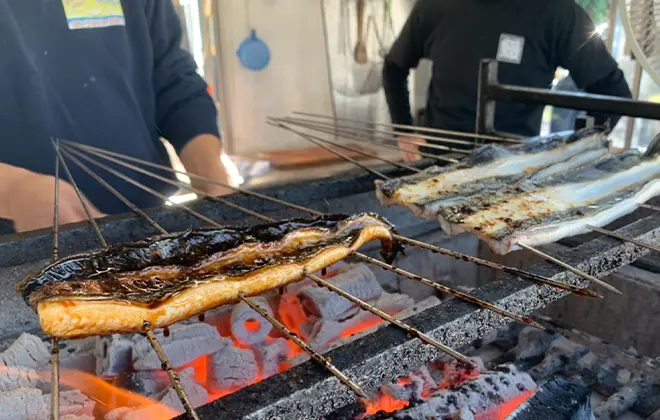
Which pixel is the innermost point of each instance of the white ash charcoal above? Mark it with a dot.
(405, 389)
(76, 417)
(480, 395)
(27, 351)
(247, 326)
(623, 400)
(184, 344)
(325, 332)
(12, 377)
(78, 354)
(562, 352)
(232, 367)
(220, 318)
(270, 355)
(533, 342)
(358, 281)
(30, 404)
(197, 394)
(415, 308)
(114, 354)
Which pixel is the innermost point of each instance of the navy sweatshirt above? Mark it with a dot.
(540, 35)
(117, 87)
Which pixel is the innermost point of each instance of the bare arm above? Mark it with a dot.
(27, 199)
(201, 156)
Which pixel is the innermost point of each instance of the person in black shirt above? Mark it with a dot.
(530, 39)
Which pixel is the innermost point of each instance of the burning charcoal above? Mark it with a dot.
(196, 393)
(461, 414)
(220, 318)
(114, 354)
(271, 354)
(231, 368)
(623, 399)
(247, 326)
(326, 332)
(557, 399)
(184, 344)
(358, 280)
(27, 351)
(14, 378)
(561, 353)
(480, 395)
(533, 342)
(78, 355)
(146, 382)
(30, 404)
(405, 389)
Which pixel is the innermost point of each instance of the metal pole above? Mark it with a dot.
(637, 82)
(488, 73)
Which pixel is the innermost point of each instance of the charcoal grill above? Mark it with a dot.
(306, 391)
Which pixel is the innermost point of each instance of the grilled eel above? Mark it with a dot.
(169, 278)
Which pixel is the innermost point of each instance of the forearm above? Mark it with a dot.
(395, 85)
(8, 176)
(613, 84)
(201, 156)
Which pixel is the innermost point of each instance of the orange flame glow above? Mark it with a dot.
(503, 411)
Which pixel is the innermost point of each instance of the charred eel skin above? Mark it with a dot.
(151, 270)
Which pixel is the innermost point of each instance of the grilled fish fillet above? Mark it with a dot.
(490, 168)
(547, 212)
(170, 278)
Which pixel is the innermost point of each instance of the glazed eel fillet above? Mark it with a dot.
(491, 168)
(544, 211)
(173, 277)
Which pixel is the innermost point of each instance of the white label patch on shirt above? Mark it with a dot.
(83, 14)
(510, 49)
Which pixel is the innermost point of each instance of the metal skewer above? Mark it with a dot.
(569, 267)
(281, 124)
(624, 238)
(455, 293)
(456, 255)
(364, 305)
(152, 339)
(650, 207)
(314, 140)
(563, 264)
(55, 343)
(354, 134)
(322, 360)
(509, 270)
(174, 379)
(410, 127)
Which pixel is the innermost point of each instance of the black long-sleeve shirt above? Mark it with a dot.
(108, 74)
(530, 39)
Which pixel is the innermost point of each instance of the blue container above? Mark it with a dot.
(253, 53)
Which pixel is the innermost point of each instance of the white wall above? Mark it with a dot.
(296, 79)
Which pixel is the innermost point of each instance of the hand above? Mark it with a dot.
(408, 150)
(29, 197)
(202, 156)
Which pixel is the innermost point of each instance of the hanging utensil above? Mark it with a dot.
(360, 54)
(253, 53)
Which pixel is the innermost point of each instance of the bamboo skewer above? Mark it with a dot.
(547, 257)
(318, 358)
(432, 248)
(624, 238)
(55, 344)
(412, 276)
(341, 146)
(364, 305)
(355, 134)
(410, 127)
(650, 207)
(569, 267)
(174, 379)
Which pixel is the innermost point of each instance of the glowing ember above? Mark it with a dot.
(385, 403)
(504, 410)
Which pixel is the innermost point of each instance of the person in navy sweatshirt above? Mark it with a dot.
(530, 39)
(106, 73)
